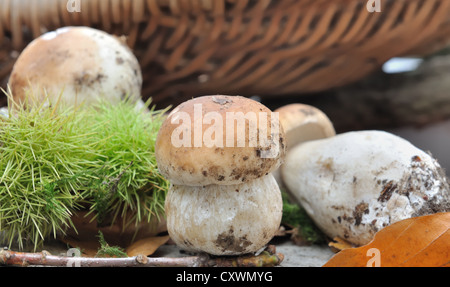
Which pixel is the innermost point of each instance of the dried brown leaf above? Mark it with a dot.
(87, 248)
(416, 242)
(146, 246)
(339, 244)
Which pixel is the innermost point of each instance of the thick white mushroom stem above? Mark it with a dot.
(224, 219)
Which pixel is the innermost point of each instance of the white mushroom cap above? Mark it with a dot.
(224, 220)
(302, 123)
(83, 63)
(204, 157)
(354, 184)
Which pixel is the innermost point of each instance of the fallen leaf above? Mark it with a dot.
(146, 246)
(87, 248)
(415, 242)
(118, 234)
(339, 244)
(86, 235)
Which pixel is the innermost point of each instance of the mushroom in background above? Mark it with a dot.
(81, 64)
(223, 199)
(302, 123)
(354, 184)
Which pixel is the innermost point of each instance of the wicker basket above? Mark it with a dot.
(268, 48)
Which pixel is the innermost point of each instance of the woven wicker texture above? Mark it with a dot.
(268, 48)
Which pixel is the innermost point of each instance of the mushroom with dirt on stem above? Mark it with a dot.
(76, 65)
(219, 152)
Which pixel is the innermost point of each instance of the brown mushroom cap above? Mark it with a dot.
(198, 163)
(81, 63)
(304, 123)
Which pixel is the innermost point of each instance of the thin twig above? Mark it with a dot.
(264, 259)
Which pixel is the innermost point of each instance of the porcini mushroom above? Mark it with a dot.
(356, 183)
(219, 152)
(219, 140)
(302, 123)
(80, 63)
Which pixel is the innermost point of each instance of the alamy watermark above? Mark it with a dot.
(73, 6)
(190, 132)
(75, 256)
(373, 6)
(375, 260)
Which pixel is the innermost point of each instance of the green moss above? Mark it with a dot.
(295, 216)
(109, 251)
(54, 161)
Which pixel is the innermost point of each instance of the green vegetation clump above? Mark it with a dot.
(295, 216)
(109, 251)
(54, 161)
